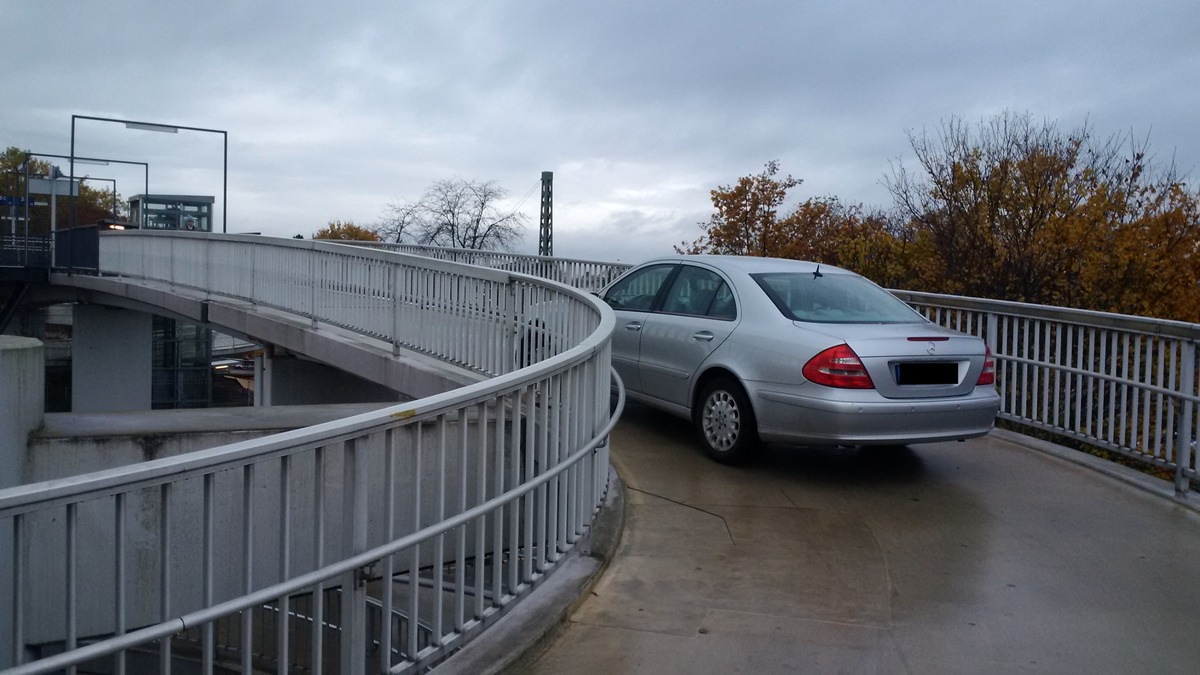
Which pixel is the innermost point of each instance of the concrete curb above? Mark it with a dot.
(521, 636)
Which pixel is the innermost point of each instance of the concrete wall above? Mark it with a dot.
(22, 410)
(111, 360)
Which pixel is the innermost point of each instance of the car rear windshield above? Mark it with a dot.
(833, 298)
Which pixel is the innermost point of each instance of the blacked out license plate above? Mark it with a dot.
(926, 373)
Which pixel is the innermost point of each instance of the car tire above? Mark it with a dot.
(725, 422)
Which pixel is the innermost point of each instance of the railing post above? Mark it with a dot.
(312, 280)
(354, 541)
(208, 246)
(397, 271)
(1187, 387)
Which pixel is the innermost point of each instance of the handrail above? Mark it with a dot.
(327, 573)
(589, 275)
(1122, 384)
(1119, 383)
(501, 477)
(1147, 365)
(508, 471)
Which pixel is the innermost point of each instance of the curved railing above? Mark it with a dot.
(588, 275)
(426, 520)
(291, 551)
(1124, 384)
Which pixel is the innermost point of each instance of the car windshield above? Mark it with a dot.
(833, 298)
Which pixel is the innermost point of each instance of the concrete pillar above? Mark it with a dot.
(22, 402)
(111, 360)
(22, 410)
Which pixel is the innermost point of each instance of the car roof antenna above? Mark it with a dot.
(817, 274)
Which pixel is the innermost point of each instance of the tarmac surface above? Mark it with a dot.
(979, 557)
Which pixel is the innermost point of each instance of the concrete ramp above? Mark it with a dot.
(976, 557)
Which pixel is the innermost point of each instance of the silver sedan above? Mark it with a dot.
(762, 349)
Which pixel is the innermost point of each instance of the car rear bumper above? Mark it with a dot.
(788, 417)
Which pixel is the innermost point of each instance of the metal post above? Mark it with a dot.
(354, 541)
(225, 186)
(1187, 387)
(54, 213)
(25, 248)
(546, 222)
(74, 213)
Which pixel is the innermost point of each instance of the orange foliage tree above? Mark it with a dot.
(1013, 210)
(344, 231)
(749, 218)
(1020, 211)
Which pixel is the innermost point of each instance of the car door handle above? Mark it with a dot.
(703, 336)
(633, 325)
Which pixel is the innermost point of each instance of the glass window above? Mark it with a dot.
(637, 291)
(833, 298)
(723, 306)
(694, 292)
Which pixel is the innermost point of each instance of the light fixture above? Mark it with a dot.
(161, 128)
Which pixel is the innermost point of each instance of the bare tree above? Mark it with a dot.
(399, 223)
(455, 213)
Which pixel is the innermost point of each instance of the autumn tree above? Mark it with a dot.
(91, 204)
(750, 218)
(1148, 260)
(745, 219)
(455, 213)
(345, 231)
(1018, 210)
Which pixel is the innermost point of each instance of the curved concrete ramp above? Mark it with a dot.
(978, 557)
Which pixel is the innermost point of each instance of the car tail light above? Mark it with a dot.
(838, 367)
(988, 374)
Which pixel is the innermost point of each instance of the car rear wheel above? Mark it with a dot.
(725, 422)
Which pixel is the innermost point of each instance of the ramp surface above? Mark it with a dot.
(980, 557)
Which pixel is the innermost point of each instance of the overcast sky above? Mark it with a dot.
(639, 107)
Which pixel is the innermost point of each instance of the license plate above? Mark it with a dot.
(926, 373)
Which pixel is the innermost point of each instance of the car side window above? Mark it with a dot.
(723, 305)
(699, 292)
(637, 291)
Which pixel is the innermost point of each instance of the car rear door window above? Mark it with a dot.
(699, 292)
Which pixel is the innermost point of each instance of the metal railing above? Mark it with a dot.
(1123, 384)
(588, 275)
(24, 250)
(1120, 383)
(443, 511)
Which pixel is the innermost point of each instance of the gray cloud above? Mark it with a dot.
(640, 108)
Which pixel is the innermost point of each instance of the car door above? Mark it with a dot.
(696, 314)
(632, 298)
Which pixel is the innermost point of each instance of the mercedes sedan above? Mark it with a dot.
(761, 349)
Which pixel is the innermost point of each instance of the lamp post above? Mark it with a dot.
(169, 129)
